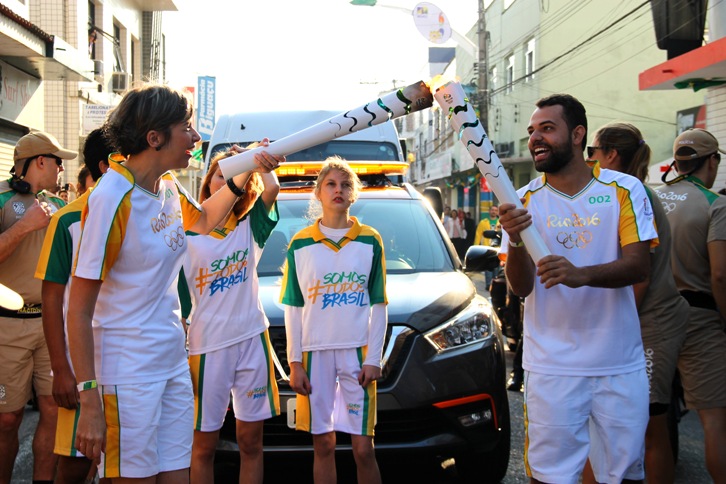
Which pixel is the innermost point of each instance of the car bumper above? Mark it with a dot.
(441, 403)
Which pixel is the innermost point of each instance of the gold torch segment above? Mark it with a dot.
(406, 100)
(419, 95)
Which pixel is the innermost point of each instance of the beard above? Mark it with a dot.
(560, 157)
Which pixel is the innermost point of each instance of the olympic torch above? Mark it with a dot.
(407, 100)
(462, 118)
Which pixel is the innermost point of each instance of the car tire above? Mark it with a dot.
(491, 466)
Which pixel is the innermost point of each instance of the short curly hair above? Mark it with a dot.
(572, 110)
(151, 107)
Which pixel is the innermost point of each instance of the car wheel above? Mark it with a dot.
(491, 466)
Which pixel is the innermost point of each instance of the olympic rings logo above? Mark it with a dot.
(175, 239)
(576, 239)
(669, 207)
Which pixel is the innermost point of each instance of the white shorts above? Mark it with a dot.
(568, 418)
(245, 369)
(148, 428)
(337, 402)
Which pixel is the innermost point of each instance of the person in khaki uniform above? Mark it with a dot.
(697, 216)
(25, 211)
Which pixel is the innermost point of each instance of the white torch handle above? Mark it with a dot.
(242, 162)
(467, 127)
(410, 99)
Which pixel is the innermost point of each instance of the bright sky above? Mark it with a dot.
(301, 54)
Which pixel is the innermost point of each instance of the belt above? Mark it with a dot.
(28, 311)
(700, 300)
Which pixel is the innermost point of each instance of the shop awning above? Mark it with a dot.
(30, 49)
(702, 67)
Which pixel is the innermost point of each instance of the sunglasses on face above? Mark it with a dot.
(58, 160)
(591, 150)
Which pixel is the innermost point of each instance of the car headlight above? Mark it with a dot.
(471, 325)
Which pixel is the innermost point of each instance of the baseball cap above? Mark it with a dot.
(40, 143)
(695, 143)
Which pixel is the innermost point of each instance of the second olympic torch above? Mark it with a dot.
(407, 100)
(469, 130)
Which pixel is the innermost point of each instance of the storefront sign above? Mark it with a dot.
(16, 89)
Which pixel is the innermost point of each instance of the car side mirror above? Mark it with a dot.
(481, 258)
(433, 195)
(492, 234)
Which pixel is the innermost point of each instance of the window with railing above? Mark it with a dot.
(529, 61)
(92, 33)
(510, 72)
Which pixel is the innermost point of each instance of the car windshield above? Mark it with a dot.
(411, 239)
(348, 150)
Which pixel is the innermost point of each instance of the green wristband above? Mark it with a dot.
(87, 385)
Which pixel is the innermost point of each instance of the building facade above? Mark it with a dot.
(702, 69)
(69, 61)
(591, 50)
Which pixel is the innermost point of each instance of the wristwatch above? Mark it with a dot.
(240, 192)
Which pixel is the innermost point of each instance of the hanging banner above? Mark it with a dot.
(206, 92)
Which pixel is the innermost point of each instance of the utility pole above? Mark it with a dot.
(483, 68)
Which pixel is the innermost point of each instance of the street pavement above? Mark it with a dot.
(689, 470)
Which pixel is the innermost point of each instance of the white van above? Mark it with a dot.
(376, 143)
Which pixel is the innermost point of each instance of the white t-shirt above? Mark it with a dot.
(336, 283)
(221, 277)
(586, 331)
(134, 241)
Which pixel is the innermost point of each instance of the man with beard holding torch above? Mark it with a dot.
(583, 355)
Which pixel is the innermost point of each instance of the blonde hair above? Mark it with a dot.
(338, 163)
(315, 209)
(254, 186)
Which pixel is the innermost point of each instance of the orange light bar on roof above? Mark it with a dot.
(307, 168)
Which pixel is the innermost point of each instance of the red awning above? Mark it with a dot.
(707, 63)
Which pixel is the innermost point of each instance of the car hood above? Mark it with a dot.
(421, 300)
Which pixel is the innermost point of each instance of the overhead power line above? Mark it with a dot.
(568, 52)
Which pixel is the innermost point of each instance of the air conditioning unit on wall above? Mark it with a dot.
(98, 67)
(119, 82)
